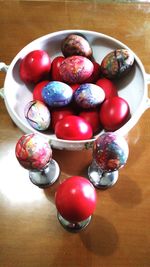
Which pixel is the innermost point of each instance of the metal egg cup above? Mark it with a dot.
(73, 226)
(47, 176)
(101, 179)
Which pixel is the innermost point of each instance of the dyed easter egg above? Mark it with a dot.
(117, 63)
(35, 66)
(75, 199)
(58, 114)
(89, 95)
(110, 151)
(108, 86)
(92, 117)
(55, 75)
(76, 69)
(37, 91)
(37, 115)
(114, 113)
(95, 74)
(76, 45)
(57, 94)
(33, 151)
(73, 127)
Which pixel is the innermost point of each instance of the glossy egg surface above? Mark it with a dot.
(73, 128)
(37, 115)
(89, 95)
(33, 151)
(75, 199)
(110, 151)
(117, 63)
(57, 94)
(75, 44)
(76, 69)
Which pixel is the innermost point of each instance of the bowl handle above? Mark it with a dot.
(4, 68)
(148, 99)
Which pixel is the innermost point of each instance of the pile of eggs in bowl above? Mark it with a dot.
(73, 95)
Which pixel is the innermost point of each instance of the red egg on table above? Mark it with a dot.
(73, 128)
(55, 75)
(35, 66)
(37, 91)
(114, 113)
(58, 114)
(75, 199)
(92, 117)
(108, 86)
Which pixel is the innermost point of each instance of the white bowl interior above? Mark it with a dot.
(17, 94)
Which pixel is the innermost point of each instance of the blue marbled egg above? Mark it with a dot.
(89, 95)
(57, 94)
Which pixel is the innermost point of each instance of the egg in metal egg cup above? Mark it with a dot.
(75, 201)
(110, 153)
(35, 154)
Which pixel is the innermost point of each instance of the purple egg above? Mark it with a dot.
(89, 95)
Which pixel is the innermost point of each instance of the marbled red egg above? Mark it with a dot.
(76, 69)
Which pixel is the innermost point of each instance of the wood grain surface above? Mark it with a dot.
(119, 233)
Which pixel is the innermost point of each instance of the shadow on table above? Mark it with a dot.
(100, 237)
(126, 192)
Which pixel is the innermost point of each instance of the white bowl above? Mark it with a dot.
(133, 88)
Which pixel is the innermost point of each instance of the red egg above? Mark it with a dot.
(108, 86)
(114, 113)
(76, 69)
(92, 117)
(75, 199)
(75, 86)
(55, 75)
(37, 91)
(58, 114)
(73, 128)
(35, 66)
(95, 74)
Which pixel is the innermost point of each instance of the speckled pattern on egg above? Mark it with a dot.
(37, 115)
(75, 44)
(89, 95)
(110, 151)
(117, 63)
(57, 94)
(76, 69)
(33, 151)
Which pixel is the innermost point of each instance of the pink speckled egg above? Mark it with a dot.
(76, 69)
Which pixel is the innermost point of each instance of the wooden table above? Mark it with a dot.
(119, 233)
